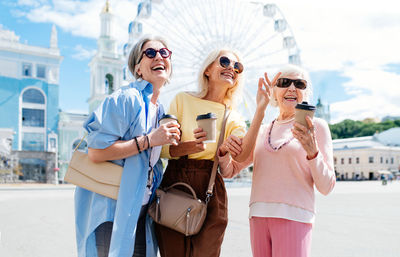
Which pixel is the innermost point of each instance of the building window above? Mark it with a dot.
(33, 141)
(33, 96)
(387, 160)
(357, 160)
(335, 160)
(349, 160)
(109, 84)
(392, 160)
(32, 118)
(52, 143)
(27, 69)
(371, 159)
(41, 71)
(342, 161)
(381, 159)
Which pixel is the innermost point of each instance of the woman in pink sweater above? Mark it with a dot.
(289, 159)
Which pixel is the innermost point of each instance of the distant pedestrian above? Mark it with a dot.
(289, 160)
(124, 130)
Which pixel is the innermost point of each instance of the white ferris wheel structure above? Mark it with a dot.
(258, 31)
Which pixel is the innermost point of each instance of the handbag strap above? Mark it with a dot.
(209, 192)
(80, 142)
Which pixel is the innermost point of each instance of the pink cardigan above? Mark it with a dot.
(286, 176)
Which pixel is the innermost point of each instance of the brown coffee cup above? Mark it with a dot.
(302, 110)
(167, 118)
(208, 122)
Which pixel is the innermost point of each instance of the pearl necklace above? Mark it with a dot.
(284, 121)
(284, 143)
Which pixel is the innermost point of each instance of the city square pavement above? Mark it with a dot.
(360, 219)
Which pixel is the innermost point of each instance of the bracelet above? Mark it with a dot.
(312, 157)
(148, 141)
(137, 144)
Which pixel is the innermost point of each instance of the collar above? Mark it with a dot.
(142, 85)
(145, 88)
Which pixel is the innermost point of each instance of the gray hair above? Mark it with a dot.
(291, 69)
(233, 93)
(135, 56)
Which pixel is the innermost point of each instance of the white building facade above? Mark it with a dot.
(367, 157)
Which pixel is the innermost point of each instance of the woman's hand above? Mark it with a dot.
(232, 145)
(200, 136)
(306, 137)
(167, 133)
(264, 95)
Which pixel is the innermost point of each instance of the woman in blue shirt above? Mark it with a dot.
(124, 130)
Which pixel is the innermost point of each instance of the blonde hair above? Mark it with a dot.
(233, 93)
(291, 69)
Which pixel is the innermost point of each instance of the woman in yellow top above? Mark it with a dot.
(191, 161)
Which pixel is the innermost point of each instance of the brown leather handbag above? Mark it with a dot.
(179, 210)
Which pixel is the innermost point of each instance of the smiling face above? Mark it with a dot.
(287, 98)
(155, 70)
(222, 76)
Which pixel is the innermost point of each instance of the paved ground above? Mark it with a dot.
(360, 219)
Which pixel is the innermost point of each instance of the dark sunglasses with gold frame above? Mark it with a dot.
(225, 62)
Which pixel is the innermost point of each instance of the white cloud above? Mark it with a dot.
(82, 53)
(355, 38)
(374, 93)
(78, 17)
(30, 3)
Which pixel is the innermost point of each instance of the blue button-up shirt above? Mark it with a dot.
(122, 116)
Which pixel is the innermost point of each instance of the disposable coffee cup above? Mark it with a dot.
(302, 110)
(167, 118)
(208, 122)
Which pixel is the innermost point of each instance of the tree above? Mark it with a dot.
(350, 128)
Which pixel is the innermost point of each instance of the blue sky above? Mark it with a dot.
(352, 53)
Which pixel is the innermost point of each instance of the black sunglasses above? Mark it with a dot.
(285, 82)
(151, 52)
(225, 62)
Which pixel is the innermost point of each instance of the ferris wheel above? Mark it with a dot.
(258, 32)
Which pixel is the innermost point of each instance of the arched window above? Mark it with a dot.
(109, 84)
(33, 96)
(33, 120)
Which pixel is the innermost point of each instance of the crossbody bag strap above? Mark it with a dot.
(209, 192)
(80, 142)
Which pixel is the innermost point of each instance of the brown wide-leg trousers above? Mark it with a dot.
(207, 243)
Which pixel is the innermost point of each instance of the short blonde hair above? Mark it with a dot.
(233, 93)
(291, 69)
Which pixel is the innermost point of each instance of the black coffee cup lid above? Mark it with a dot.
(305, 106)
(168, 116)
(209, 115)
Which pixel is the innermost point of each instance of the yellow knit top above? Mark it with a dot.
(186, 107)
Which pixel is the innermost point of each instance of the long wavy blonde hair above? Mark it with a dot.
(233, 93)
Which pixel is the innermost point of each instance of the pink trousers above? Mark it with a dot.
(275, 237)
